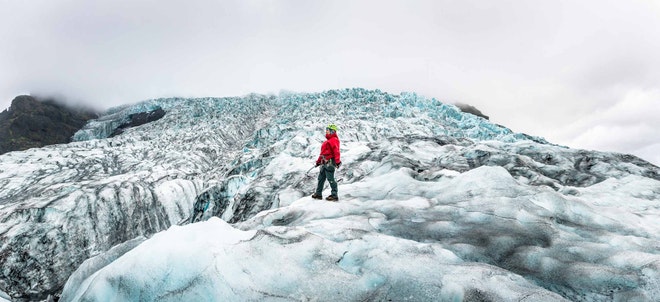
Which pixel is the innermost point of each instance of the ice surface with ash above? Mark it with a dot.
(434, 205)
(395, 237)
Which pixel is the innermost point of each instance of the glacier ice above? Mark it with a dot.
(433, 200)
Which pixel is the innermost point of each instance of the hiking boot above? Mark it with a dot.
(332, 198)
(317, 196)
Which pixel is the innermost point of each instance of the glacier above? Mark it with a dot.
(435, 205)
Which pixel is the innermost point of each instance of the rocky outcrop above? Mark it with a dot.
(471, 110)
(31, 123)
(139, 119)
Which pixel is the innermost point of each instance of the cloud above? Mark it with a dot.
(533, 67)
(629, 126)
(650, 153)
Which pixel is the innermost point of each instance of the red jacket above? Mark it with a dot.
(329, 150)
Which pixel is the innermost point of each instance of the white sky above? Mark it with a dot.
(580, 73)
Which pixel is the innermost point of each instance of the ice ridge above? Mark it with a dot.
(357, 103)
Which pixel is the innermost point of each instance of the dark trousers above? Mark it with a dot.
(327, 171)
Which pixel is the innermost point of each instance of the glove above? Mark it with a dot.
(338, 164)
(317, 164)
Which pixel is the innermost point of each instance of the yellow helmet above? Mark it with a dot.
(332, 127)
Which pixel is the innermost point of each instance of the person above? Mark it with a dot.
(329, 160)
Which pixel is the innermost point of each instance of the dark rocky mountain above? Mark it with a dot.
(32, 123)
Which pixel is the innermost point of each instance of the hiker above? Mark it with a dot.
(329, 161)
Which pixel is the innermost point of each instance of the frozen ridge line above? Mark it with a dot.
(348, 104)
(429, 194)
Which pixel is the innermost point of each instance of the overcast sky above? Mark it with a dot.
(585, 74)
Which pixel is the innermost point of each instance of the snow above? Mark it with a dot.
(4, 297)
(434, 205)
(238, 265)
(438, 244)
(193, 241)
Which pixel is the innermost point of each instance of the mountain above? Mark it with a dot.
(435, 204)
(33, 123)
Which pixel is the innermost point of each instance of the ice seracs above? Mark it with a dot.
(434, 203)
(458, 238)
